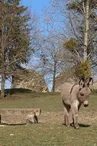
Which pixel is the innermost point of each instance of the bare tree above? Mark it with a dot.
(52, 52)
(80, 17)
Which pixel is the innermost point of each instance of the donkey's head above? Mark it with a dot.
(84, 90)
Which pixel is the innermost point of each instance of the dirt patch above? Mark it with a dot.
(53, 117)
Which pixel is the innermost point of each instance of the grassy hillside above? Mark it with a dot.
(50, 131)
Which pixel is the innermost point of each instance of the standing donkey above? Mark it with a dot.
(73, 96)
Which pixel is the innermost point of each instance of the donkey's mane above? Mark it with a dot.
(73, 87)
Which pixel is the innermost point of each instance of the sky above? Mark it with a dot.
(36, 5)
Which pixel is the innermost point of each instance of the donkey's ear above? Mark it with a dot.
(82, 82)
(89, 81)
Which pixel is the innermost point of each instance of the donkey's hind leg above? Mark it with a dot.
(66, 115)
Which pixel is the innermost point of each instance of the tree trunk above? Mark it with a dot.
(3, 67)
(86, 31)
(54, 77)
(2, 84)
(12, 82)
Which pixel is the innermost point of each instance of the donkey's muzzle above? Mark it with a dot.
(86, 103)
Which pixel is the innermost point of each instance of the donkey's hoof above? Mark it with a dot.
(72, 124)
(76, 126)
(68, 125)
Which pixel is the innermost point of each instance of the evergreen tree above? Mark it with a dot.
(14, 37)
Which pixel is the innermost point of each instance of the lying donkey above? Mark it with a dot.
(73, 97)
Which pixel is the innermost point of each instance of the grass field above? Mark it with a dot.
(50, 131)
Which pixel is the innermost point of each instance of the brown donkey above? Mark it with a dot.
(73, 96)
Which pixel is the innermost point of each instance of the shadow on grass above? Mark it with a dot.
(5, 124)
(80, 125)
(12, 124)
(16, 90)
(84, 125)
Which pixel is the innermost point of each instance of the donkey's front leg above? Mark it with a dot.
(74, 108)
(72, 124)
(66, 115)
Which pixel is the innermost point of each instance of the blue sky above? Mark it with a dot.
(36, 5)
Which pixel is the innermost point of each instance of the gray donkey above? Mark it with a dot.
(73, 96)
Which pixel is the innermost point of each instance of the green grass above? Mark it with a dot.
(48, 134)
(45, 101)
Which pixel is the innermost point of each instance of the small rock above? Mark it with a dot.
(11, 134)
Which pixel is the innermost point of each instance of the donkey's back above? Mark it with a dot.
(66, 90)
